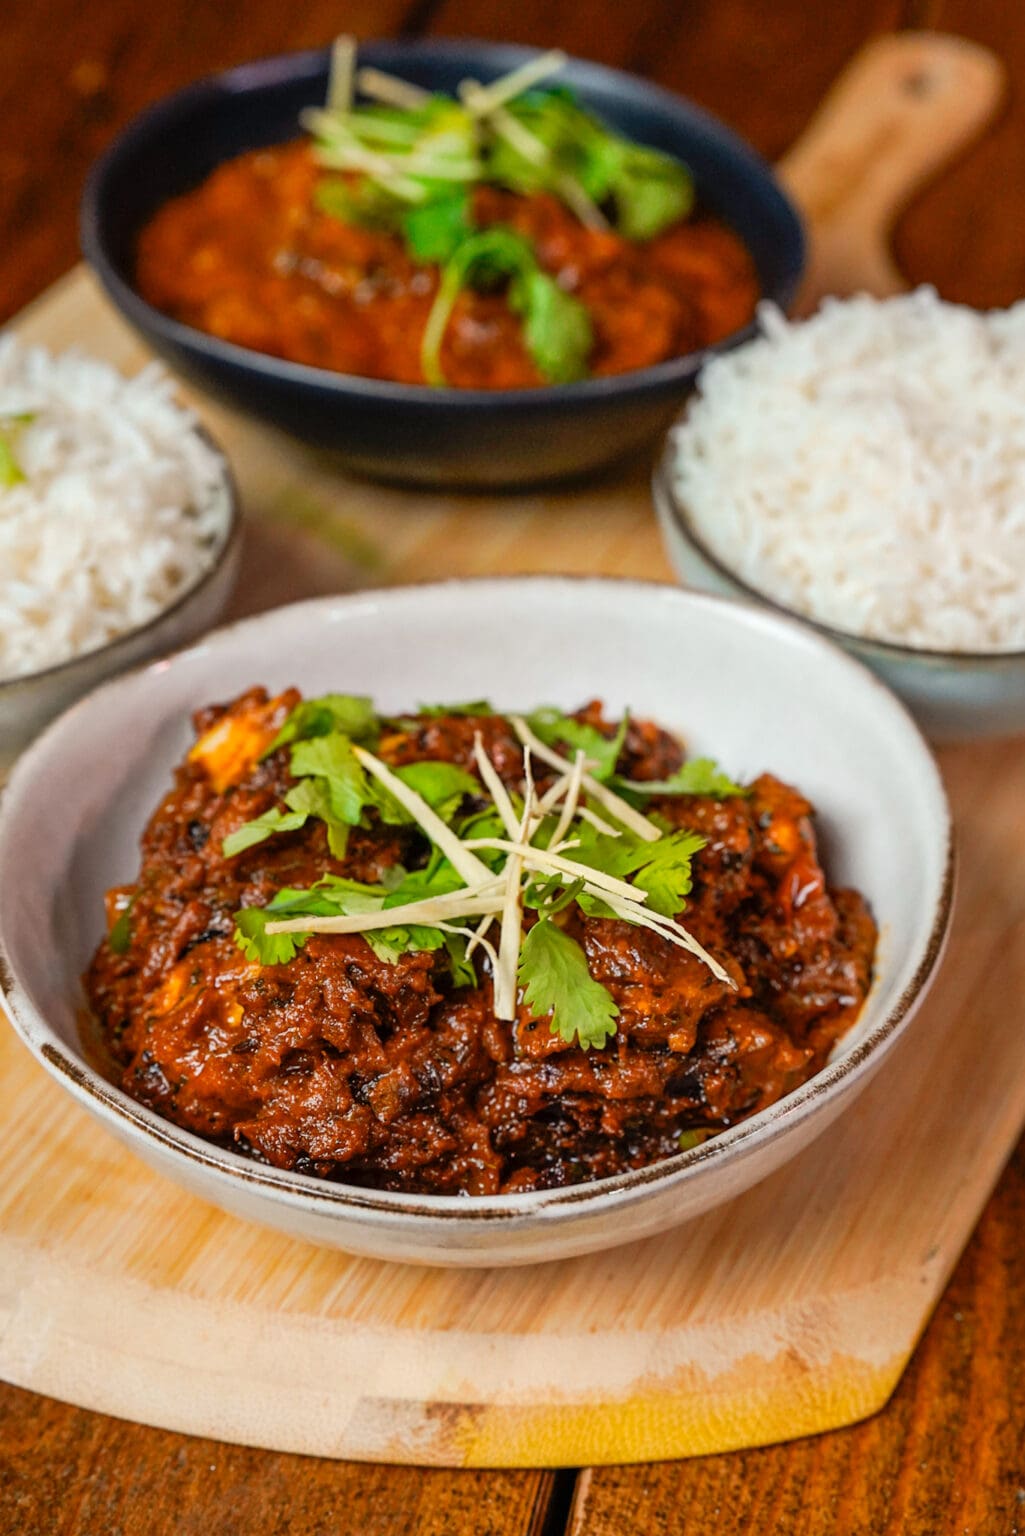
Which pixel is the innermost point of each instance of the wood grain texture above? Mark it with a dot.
(72, 75)
(945, 1458)
(900, 113)
(81, 1474)
(68, 79)
(764, 68)
(791, 1310)
(965, 232)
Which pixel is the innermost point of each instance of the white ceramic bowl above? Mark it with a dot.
(28, 702)
(755, 690)
(954, 696)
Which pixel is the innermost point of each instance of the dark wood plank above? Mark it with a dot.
(946, 1457)
(762, 67)
(965, 232)
(82, 1474)
(72, 75)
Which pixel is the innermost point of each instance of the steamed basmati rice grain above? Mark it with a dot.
(866, 468)
(120, 511)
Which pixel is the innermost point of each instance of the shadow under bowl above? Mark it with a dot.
(414, 433)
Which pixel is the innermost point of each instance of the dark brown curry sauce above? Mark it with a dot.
(249, 257)
(352, 1068)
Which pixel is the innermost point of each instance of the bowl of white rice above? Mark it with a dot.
(864, 471)
(119, 529)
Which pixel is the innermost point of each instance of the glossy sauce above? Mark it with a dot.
(249, 257)
(352, 1068)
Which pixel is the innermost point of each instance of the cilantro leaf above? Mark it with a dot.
(666, 875)
(698, 776)
(120, 936)
(261, 947)
(558, 730)
(261, 827)
(364, 203)
(434, 229)
(11, 472)
(332, 759)
(463, 973)
(554, 975)
(662, 868)
(551, 895)
(486, 823)
(647, 189)
(337, 896)
(352, 714)
(571, 136)
(443, 785)
(557, 328)
(390, 943)
(312, 797)
(687, 1140)
(650, 190)
(331, 895)
(471, 707)
(332, 786)
(437, 879)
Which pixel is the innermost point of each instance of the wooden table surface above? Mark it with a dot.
(948, 1453)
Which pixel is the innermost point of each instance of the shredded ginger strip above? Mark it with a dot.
(619, 808)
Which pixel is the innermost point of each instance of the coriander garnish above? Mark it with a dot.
(523, 860)
(11, 472)
(406, 161)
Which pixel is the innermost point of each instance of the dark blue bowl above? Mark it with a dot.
(406, 432)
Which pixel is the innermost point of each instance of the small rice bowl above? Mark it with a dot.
(866, 469)
(111, 504)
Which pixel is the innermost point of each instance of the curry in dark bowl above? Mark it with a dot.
(501, 238)
(467, 952)
(556, 339)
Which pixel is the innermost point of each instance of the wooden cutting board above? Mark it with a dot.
(790, 1311)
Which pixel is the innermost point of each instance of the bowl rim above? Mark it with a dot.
(230, 536)
(115, 1107)
(667, 500)
(276, 68)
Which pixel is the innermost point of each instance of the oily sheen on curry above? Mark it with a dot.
(312, 968)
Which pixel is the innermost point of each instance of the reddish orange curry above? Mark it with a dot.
(249, 257)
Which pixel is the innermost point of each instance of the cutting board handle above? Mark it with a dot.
(904, 107)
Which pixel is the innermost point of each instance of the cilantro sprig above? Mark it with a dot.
(697, 776)
(644, 190)
(11, 472)
(406, 162)
(333, 786)
(555, 979)
(487, 842)
(556, 327)
(602, 752)
(408, 167)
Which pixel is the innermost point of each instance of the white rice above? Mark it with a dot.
(117, 516)
(867, 469)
